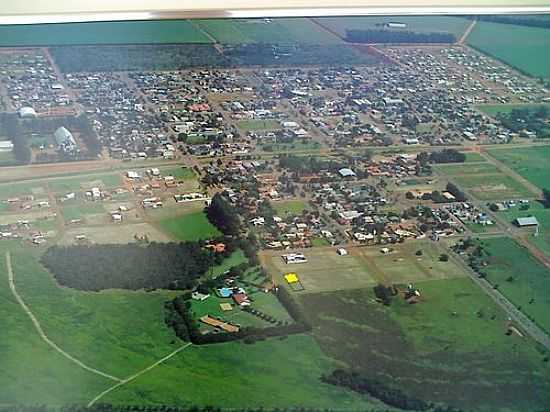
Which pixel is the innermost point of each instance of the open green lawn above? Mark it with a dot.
(496, 186)
(255, 125)
(190, 226)
(123, 332)
(122, 32)
(180, 173)
(454, 339)
(524, 48)
(76, 183)
(542, 241)
(7, 159)
(467, 169)
(77, 210)
(8, 190)
(533, 163)
(494, 109)
(420, 24)
(289, 207)
(474, 157)
(529, 287)
(282, 30)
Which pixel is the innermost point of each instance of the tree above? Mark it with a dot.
(546, 197)
(223, 215)
(444, 257)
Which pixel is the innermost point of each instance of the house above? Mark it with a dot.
(240, 299)
(342, 252)
(346, 172)
(527, 221)
(294, 258)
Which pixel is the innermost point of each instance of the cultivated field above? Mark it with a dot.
(533, 163)
(422, 24)
(453, 330)
(521, 278)
(524, 48)
(130, 32)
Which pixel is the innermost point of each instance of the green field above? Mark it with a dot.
(542, 241)
(123, 332)
(529, 287)
(533, 163)
(7, 159)
(420, 24)
(283, 30)
(295, 147)
(494, 109)
(464, 169)
(255, 125)
(180, 173)
(492, 186)
(191, 226)
(76, 183)
(77, 210)
(474, 157)
(524, 48)
(289, 207)
(122, 32)
(454, 339)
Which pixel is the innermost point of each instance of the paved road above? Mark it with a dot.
(41, 332)
(523, 321)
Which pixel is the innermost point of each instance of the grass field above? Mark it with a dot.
(78, 210)
(451, 347)
(533, 163)
(420, 24)
(473, 157)
(542, 241)
(289, 207)
(292, 147)
(494, 109)
(122, 332)
(463, 169)
(283, 30)
(530, 287)
(524, 48)
(71, 184)
(255, 125)
(179, 173)
(119, 233)
(190, 226)
(7, 159)
(122, 32)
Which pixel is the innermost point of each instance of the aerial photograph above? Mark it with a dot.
(276, 214)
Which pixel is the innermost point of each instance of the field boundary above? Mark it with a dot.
(138, 374)
(41, 332)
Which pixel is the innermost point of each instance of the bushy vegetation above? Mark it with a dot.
(223, 215)
(390, 36)
(11, 126)
(456, 192)
(135, 58)
(105, 407)
(519, 120)
(131, 266)
(530, 21)
(447, 156)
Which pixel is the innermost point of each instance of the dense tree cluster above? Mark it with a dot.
(136, 58)
(131, 266)
(105, 407)
(447, 156)
(11, 127)
(392, 36)
(309, 164)
(223, 215)
(456, 192)
(533, 120)
(180, 318)
(531, 21)
(295, 55)
(390, 396)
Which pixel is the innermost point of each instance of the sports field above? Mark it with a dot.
(122, 32)
(453, 331)
(121, 333)
(533, 163)
(521, 278)
(524, 48)
(419, 24)
(190, 226)
(282, 31)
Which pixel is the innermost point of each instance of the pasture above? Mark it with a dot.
(189, 226)
(122, 332)
(520, 277)
(542, 241)
(488, 186)
(419, 24)
(121, 32)
(281, 31)
(532, 163)
(453, 329)
(524, 48)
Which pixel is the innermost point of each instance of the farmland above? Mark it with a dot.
(454, 327)
(284, 30)
(190, 226)
(521, 278)
(524, 48)
(129, 32)
(423, 24)
(533, 163)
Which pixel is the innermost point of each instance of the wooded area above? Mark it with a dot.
(131, 266)
(390, 36)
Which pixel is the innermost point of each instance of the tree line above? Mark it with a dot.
(131, 266)
(390, 396)
(223, 215)
(11, 126)
(530, 21)
(391, 36)
(534, 120)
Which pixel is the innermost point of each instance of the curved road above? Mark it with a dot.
(40, 331)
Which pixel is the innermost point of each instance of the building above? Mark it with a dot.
(342, 252)
(294, 258)
(527, 221)
(27, 113)
(6, 146)
(396, 25)
(346, 172)
(64, 140)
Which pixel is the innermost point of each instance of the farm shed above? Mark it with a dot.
(527, 221)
